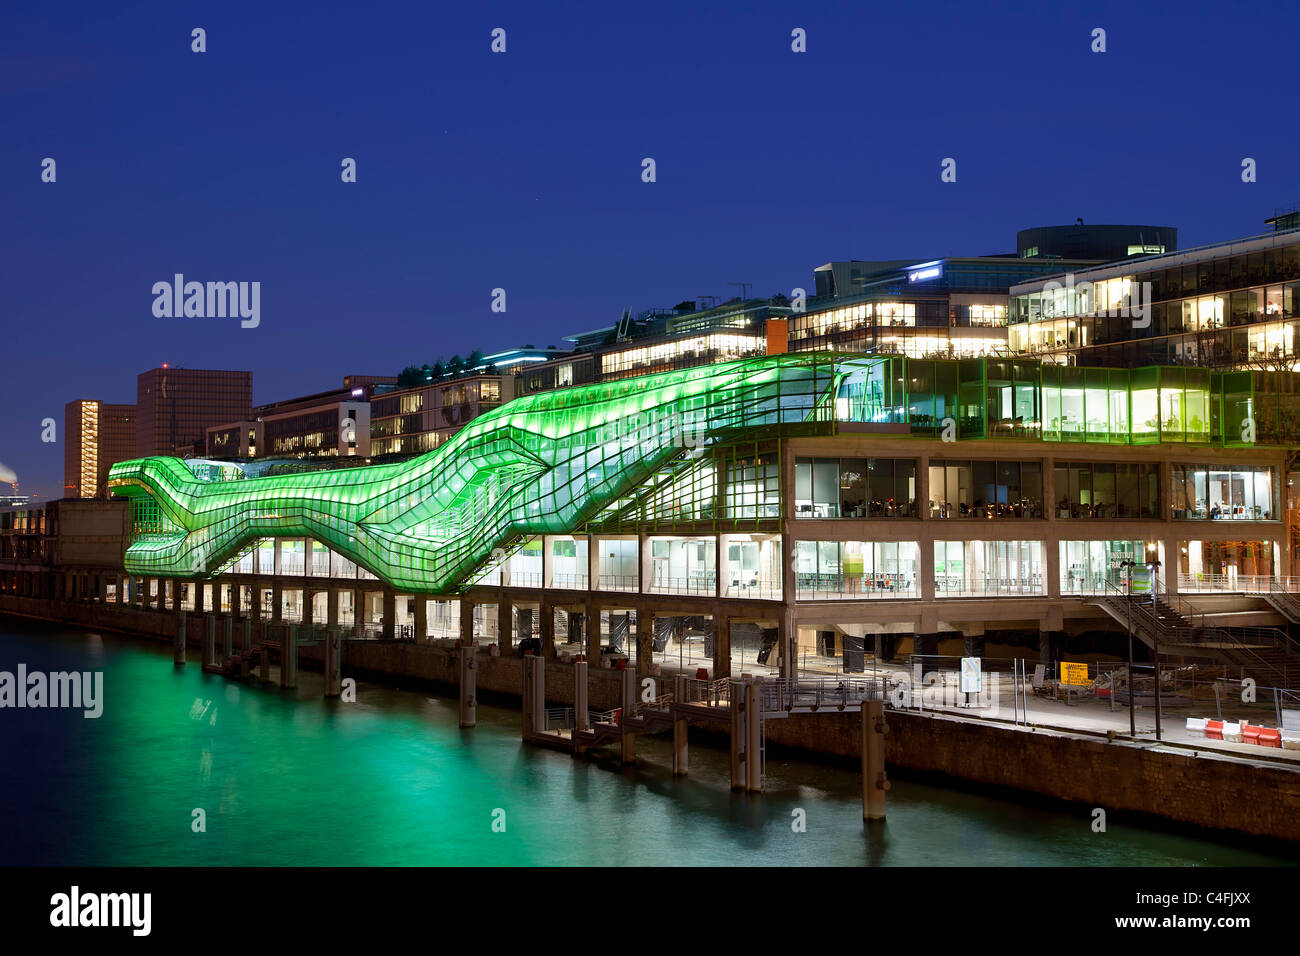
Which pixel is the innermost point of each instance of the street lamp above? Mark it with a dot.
(1132, 714)
(1154, 566)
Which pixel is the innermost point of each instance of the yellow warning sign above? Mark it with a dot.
(1075, 675)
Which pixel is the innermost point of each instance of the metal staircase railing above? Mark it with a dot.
(1171, 621)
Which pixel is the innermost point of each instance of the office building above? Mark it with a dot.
(176, 406)
(96, 436)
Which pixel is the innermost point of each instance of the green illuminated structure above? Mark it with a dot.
(544, 463)
(639, 453)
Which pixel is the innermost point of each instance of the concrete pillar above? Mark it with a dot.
(926, 571)
(787, 643)
(973, 645)
(266, 657)
(680, 741)
(644, 641)
(534, 695)
(332, 607)
(505, 625)
(466, 621)
(591, 630)
(737, 744)
(1052, 568)
(333, 662)
(197, 588)
(209, 640)
(580, 696)
(121, 586)
(547, 629)
(753, 739)
(1050, 496)
(180, 640)
(874, 782)
(308, 609)
(469, 684)
(421, 619)
(228, 650)
(1051, 645)
(277, 596)
(390, 613)
(627, 705)
(573, 625)
(289, 658)
(721, 645)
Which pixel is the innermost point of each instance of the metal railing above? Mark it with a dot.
(571, 582)
(1172, 621)
(617, 582)
(711, 692)
(779, 695)
(755, 592)
(662, 584)
(558, 718)
(813, 587)
(1000, 587)
(1230, 583)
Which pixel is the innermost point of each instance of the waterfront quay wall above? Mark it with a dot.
(1119, 776)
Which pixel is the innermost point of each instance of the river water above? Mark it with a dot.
(287, 778)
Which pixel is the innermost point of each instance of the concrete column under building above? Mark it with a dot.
(644, 641)
(469, 684)
(390, 613)
(289, 658)
(680, 731)
(627, 706)
(787, 643)
(1051, 645)
(721, 645)
(546, 629)
(591, 631)
(421, 619)
(180, 640)
(505, 625)
(333, 661)
(466, 621)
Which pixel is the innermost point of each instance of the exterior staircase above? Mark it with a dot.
(1166, 622)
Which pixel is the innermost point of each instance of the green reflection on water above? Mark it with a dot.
(287, 778)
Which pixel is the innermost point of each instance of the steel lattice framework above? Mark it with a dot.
(541, 464)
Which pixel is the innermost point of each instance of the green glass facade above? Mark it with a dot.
(693, 445)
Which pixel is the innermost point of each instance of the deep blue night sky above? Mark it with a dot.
(522, 170)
